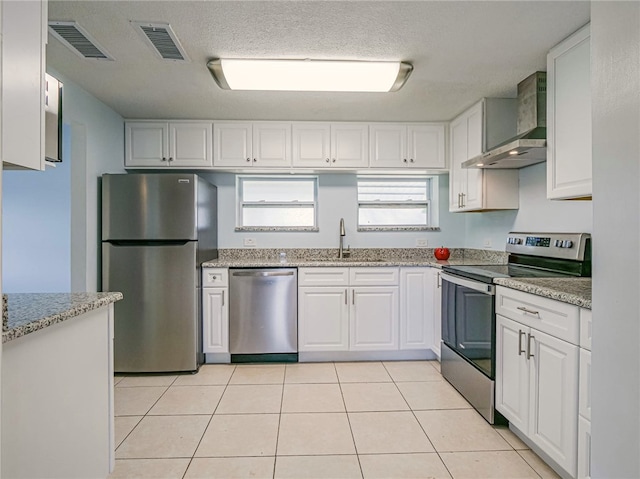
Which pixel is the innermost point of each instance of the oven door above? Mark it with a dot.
(468, 321)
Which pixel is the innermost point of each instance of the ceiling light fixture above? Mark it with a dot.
(309, 75)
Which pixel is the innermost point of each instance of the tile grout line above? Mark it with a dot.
(207, 426)
(355, 447)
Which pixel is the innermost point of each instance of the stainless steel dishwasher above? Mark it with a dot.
(263, 314)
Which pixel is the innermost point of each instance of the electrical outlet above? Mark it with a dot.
(250, 242)
(422, 242)
(487, 243)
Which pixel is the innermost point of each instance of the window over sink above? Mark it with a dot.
(272, 203)
(397, 204)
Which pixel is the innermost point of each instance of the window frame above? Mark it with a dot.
(241, 204)
(431, 203)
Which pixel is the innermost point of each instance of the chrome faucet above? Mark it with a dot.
(342, 252)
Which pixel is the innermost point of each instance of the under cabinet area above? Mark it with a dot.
(176, 144)
(537, 373)
(569, 173)
(330, 145)
(395, 145)
(470, 135)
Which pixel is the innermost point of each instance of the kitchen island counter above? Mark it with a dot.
(576, 291)
(30, 312)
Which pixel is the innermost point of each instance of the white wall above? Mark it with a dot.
(536, 213)
(336, 199)
(36, 233)
(615, 83)
(96, 147)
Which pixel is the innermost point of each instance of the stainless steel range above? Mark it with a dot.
(468, 307)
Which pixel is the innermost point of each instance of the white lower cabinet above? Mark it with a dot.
(584, 403)
(323, 318)
(537, 380)
(434, 294)
(215, 310)
(416, 308)
(584, 448)
(347, 316)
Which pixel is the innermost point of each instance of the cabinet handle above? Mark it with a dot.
(254, 160)
(346, 296)
(353, 297)
(223, 297)
(248, 160)
(520, 350)
(529, 353)
(327, 160)
(170, 158)
(459, 200)
(411, 160)
(528, 311)
(334, 160)
(164, 159)
(405, 160)
(439, 282)
(463, 203)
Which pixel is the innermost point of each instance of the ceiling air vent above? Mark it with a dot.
(163, 40)
(78, 40)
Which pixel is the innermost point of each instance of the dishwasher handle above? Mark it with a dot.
(263, 274)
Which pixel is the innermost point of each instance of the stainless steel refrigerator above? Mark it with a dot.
(157, 229)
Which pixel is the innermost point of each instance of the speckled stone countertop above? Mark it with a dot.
(30, 312)
(575, 291)
(269, 258)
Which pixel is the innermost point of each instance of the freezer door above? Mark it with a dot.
(149, 207)
(157, 323)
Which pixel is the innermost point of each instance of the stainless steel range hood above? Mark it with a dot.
(530, 145)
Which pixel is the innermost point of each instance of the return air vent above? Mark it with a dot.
(78, 40)
(163, 40)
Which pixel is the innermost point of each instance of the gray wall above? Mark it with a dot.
(615, 66)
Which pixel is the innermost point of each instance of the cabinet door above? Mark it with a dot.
(553, 384)
(584, 449)
(415, 308)
(215, 320)
(24, 37)
(512, 372)
(311, 144)
(272, 144)
(475, 146)
(569, 118)
(435, 286)
(388, 145)
(425, 145)
(323, 319)
(457, 176)
(147, 144)
(190, 144)
(374, 319)
(349, 145)
(584, 405)
(232, 144)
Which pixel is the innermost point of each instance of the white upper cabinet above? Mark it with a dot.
(178, 144)
(569, 173)
(396, 145)
(246, 144)
(330, 145)
(24, 38)
(474, 189)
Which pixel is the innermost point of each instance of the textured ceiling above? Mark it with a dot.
(461, 52)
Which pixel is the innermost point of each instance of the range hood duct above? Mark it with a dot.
(529, 146)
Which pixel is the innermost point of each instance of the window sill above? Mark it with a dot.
(398, 228)
(277, 229)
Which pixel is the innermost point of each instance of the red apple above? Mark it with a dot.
(441, 253)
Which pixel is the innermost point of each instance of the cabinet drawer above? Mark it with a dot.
(215, 277)
(558, 319)
(373, 276)
(584, 397)
(585, 328)
(323, 276)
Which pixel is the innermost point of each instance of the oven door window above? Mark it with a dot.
(469, 325)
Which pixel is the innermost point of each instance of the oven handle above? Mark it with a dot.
(467, 283)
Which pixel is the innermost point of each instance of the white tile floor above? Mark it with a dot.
(367, 420)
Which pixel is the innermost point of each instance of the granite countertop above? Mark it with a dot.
(30, 312)
(272, 263)
(575, 291)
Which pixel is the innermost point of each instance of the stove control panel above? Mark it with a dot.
(553, 245)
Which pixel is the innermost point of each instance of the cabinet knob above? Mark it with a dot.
(327, 160)
(254, 160)
(411, 160)
(405, 160)
(248, 160)
(164, 159)
(170, 158)
(334, 160)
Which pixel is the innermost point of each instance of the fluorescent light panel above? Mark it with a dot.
(309, 75)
